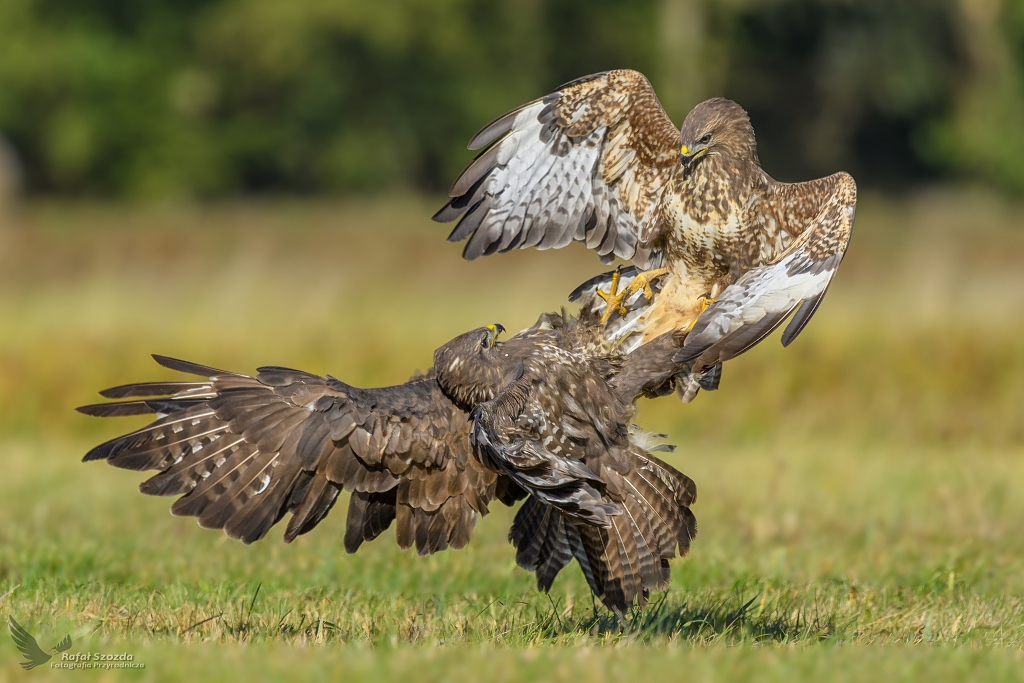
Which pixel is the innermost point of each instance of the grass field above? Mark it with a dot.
(861, 493)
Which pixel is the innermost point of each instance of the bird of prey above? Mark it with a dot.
(598, 161)
(542, 416)
(29, 648)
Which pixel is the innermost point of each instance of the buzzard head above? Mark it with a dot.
(471, 367)
(717, 127)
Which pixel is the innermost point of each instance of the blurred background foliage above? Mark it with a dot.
(157, 98)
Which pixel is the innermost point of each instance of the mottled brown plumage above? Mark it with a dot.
(598, 161)
(543, 415)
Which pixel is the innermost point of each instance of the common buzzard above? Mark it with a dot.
(598, 161)
(541, 416)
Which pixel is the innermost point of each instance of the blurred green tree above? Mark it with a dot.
(213, 97)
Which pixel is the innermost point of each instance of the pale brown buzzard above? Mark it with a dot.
(598, 161)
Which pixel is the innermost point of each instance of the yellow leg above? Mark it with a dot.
(615, 299)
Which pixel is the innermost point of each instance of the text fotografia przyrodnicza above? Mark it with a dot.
(97, 660)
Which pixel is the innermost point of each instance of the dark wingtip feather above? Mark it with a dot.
(187, 367)
(464, 203)
(733, 344)
(283, 370)
(496, 128)
(750, 336)
(687, 354)
(101, 452)
(575, 294)
(802, 317)
(711, 377)
(116, 409)
(447, 213)
(475, 172)
(149, 389)
(469, 224)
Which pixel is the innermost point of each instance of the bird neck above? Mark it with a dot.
(719, 184)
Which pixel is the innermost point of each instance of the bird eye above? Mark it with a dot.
(705, 139)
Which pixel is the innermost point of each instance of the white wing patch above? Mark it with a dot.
(538, 187)
(763, 298)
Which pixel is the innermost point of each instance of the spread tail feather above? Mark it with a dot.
(624, 561)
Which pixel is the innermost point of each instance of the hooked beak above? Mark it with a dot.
(493, 330)
(690, 154)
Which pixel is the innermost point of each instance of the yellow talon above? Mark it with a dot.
(615, 300)
(612, 298)
(705, 304)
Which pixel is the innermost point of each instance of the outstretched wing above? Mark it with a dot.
(589, 163)
(26, 645)
(242, 451)
(764, 297)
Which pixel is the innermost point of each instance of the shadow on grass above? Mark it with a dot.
(712, 619)
(715, 619)
(740, 615)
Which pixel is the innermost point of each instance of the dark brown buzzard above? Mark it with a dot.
(540, 416)
(598, 161)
